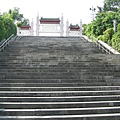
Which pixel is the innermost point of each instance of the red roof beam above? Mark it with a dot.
(49, 21)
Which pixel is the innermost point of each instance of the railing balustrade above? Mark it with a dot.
(4, 43)
(105, 47)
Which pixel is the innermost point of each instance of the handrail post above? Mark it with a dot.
(6, 43)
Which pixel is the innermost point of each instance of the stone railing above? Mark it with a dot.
(85, 38)
(105, 47)
(18, 37)
(4, 43)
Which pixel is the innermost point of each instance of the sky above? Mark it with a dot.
(73, 10)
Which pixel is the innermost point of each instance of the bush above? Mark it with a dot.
(7, 26)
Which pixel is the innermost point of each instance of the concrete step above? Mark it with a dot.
(63, 59)
(67, 111)
(115, 116)
(72, 84)
(36, 46)
(81, 74)
(101, 57)
(54, 66)
(59, 98)
(57, 64)
(58, 78)
(59, 70)
(57, 105)
(62, 62)
(86, 88)
(64, 117)
(57, 93)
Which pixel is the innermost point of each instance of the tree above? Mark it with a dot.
(24, 22)
(116, 39)
(100, 9)
(102, 27)
(2, 28)
(10, 27)
(107, 36)
(111, 5)
(15, 15)
(8, 22)
(7, 26)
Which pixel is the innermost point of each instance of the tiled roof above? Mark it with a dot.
(74, 26)
(25, 26)
(52, 19)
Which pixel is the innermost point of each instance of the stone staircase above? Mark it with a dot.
(58, 78)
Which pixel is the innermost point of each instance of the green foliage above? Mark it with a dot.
(107, 36)
(10, 27)
(8, 20)
(7, 26)
(24, 22)
(116, 39)
(118, 27)
(102, 27)
(104, 20)
(87, 29)
(2, 28)
(15, 15)
(111, 5)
